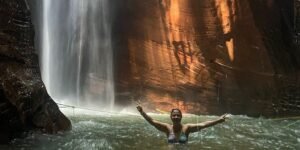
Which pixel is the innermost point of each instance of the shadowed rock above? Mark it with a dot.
(24, 102)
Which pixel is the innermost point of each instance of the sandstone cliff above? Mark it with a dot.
(208, 56)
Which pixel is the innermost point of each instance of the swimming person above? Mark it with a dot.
(177, 132)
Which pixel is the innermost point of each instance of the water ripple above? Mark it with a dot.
(132, 132)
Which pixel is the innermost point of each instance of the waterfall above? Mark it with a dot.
(75, 51)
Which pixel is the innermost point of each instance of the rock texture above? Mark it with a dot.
(208, 56)
(24, 102)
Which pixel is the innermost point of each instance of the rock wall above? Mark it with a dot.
(24, 102)
(208, 56)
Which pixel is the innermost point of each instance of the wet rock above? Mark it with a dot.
(24, 101)
(207, 56)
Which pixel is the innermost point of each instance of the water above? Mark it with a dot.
(113, 131)
(74, 39)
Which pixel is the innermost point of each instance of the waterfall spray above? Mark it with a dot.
(76, 52)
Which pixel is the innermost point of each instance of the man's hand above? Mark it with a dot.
(139, 108)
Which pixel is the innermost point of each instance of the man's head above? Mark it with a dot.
(176, 115)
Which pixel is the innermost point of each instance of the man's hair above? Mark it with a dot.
(176, 110)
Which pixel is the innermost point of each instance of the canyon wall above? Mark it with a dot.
(208, 56)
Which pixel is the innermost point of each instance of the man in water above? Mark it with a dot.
(177, 132)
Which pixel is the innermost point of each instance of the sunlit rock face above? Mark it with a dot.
(208, 56)
(24, 102)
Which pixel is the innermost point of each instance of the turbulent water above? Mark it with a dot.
(121, 132)
(74, 39)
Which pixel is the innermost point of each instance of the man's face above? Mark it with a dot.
(176, 116)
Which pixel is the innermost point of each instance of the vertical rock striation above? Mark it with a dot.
(24, 102)
(208, 56)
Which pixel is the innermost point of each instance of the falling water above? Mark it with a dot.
(76, 52)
